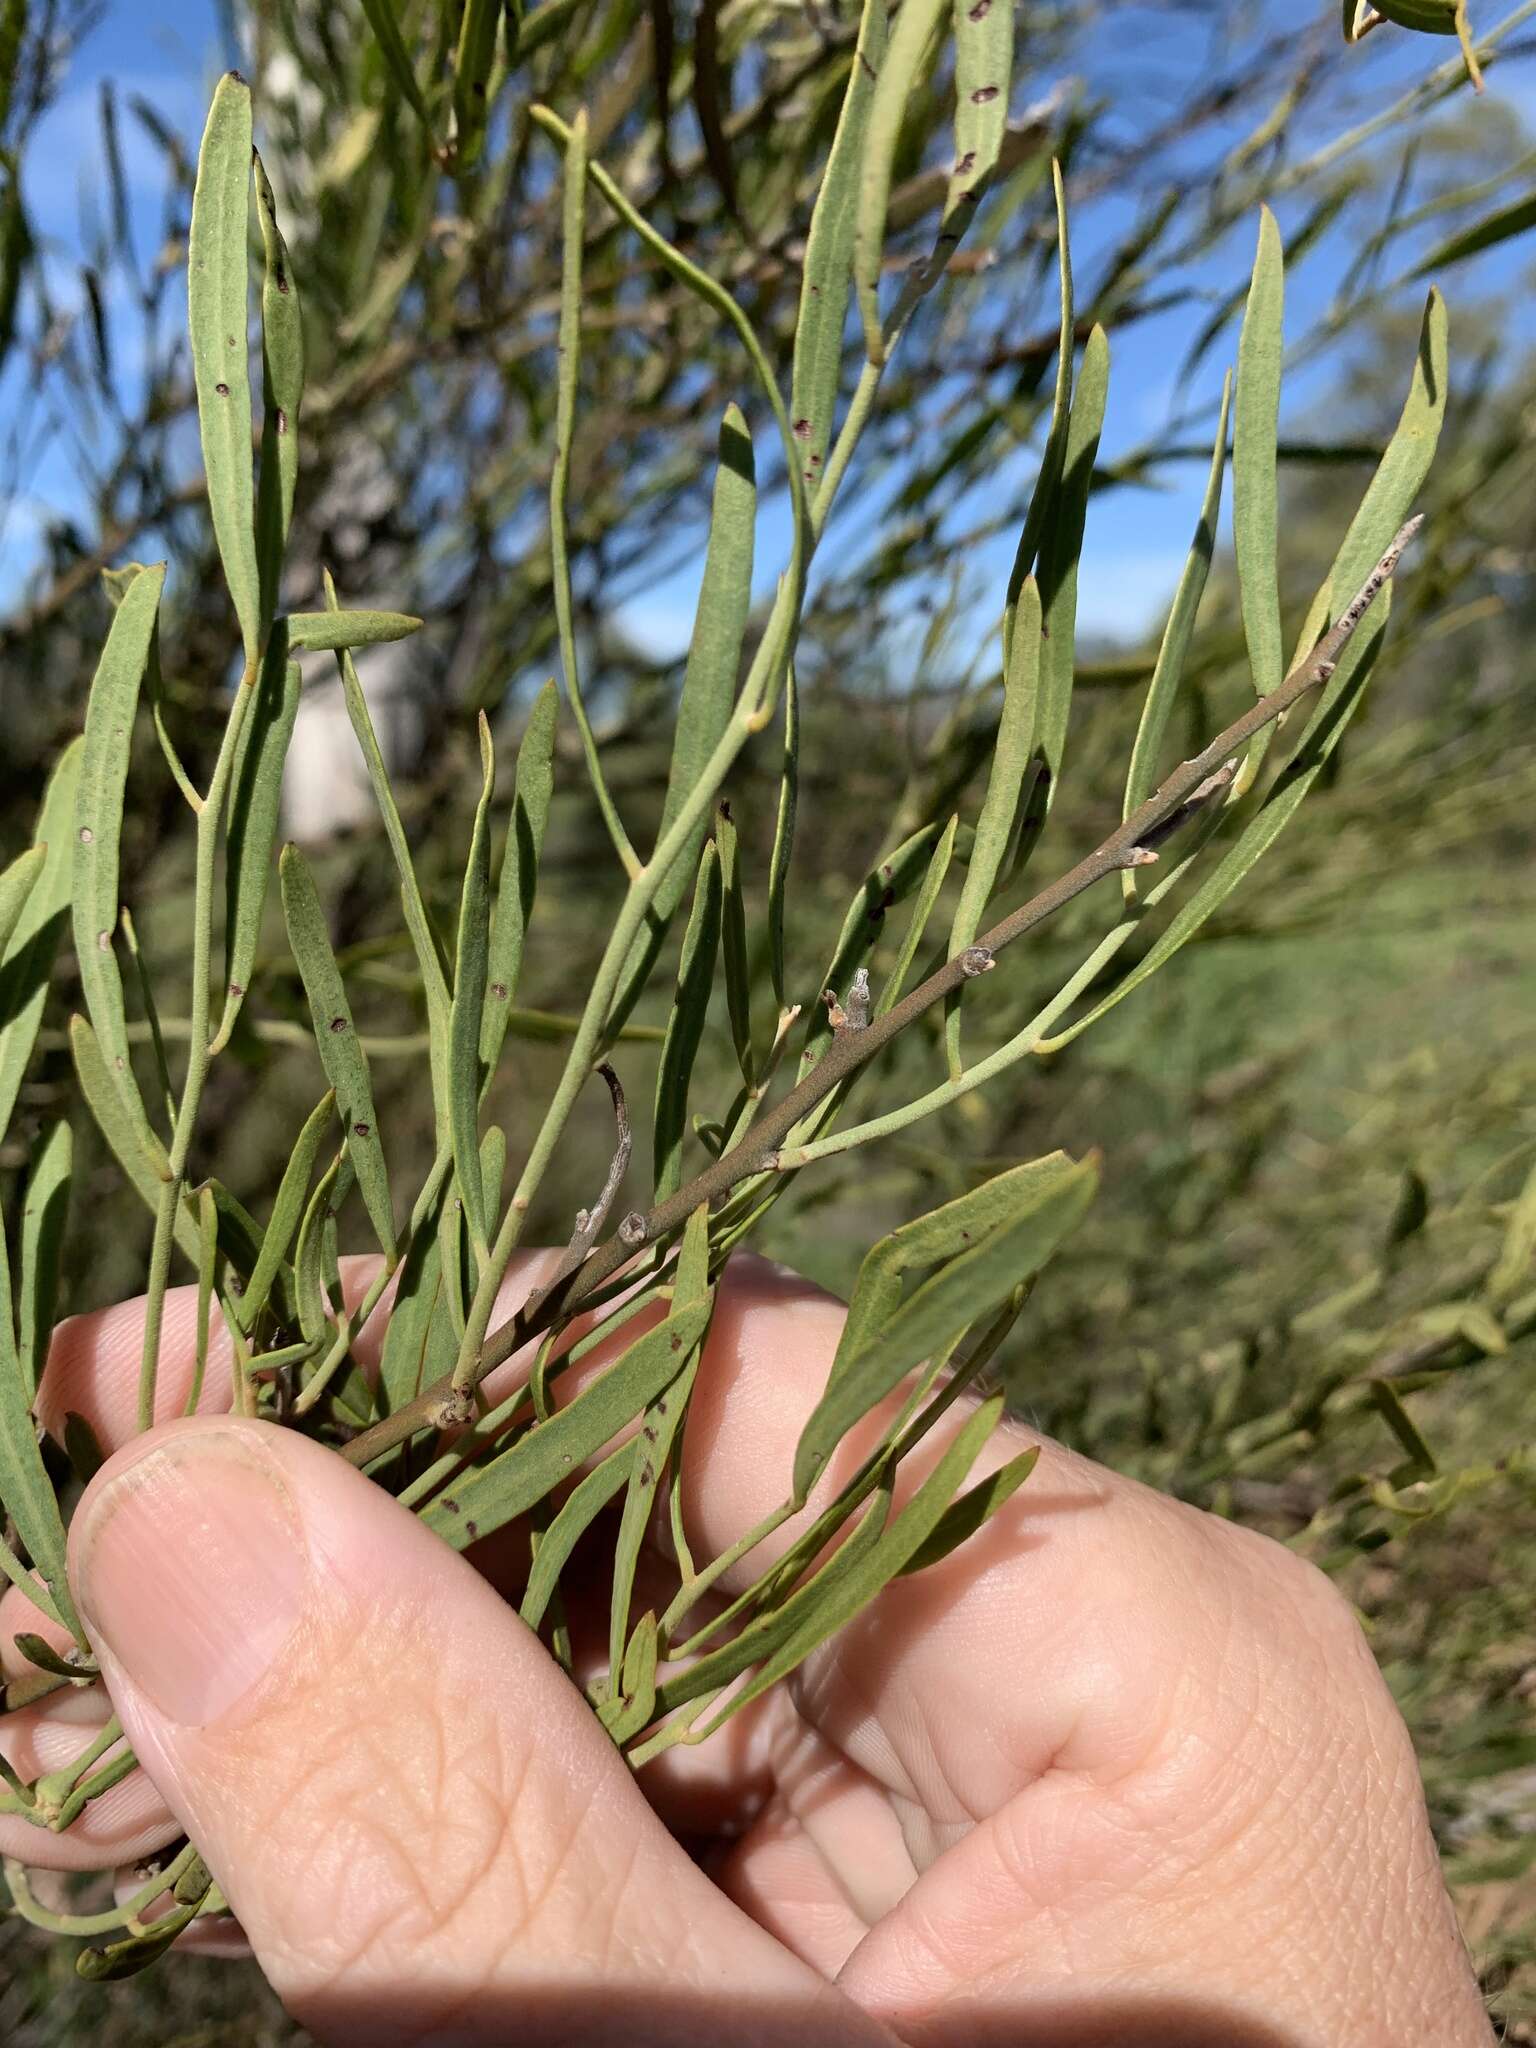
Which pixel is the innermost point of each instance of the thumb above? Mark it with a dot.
(423, 1830)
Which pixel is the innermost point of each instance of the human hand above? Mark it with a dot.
(1115, 1771)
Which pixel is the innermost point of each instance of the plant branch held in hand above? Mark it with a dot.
(1191, 785)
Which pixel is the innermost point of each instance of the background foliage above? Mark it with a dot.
(1317, 1126)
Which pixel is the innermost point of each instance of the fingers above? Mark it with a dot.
(420, 1825)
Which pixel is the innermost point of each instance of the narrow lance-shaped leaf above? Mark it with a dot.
(578, 1511)
(26, 958)
(26, 1491)
(917, 924)
(1340, 701)
(489, 1496)
(685, 1026)
(784, 838)
(345, 1063)
(44, 1216)
(434, 980)
(983, 75)
(1000, 805)
(1177, 635)
(888, 883)
(1255, 475)
(1054, 455)
(709, 682)
(282, 356)
(309, 1259)
(472, 78)
(1061, 550)
(877, 1551)
(418, 1344)
(659, 1428)
(733, 933)
(828, 272)
(1504, 225)
(972, 1511)
(287, 1210)
(99, 819)
(133, 1144)
(384, 22)
(330, 631)
(1035, 1208)
(207, 1270)
(910, 42)
(255, 802)
(217, 291)
(16, 884)
(518, 882)
(466, 1017)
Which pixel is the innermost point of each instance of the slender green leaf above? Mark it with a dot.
(133, 1144)
(16, 884)
(489, 1496)
(467, 1016)
(1518, 218)
(996, 826)
(659, 1427)
(733, 933)
(911, 43)
(828, 273)
(26, 1491)
(384, 22)
(99, 820)
(784, 838)
(26, 958)
(1054, 456)
(1061, 547)
(255, 802)
(44, 1216)
(341, 1055)
(419, 1346)
(282, 358)
(578, 1511)
(635, 1707)
(218, 276)
(472, 78)
(334, 630)
(287, 1210)
(1177, 635)
(309, 1259)
(685, 1026)
(1255, 474)
(985, 1245)
(983, 75)
(974, 1508)
(917, 924)
(207, 1269)
(519, 878)
(709, 681)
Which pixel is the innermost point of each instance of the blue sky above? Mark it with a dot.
(171, 50)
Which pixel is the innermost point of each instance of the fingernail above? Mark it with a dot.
(192, 1571)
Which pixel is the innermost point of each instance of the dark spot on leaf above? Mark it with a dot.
(966, 163)
(471, 1530)
(980, 11)
(677, 1343)
(802, 430)
(869, 69)
(645, 1473)
(451, 1505)
(338, 1023)
(648, 1433)
(983, 94)
(86, 835)
(499, 991)
(236, 990)
(362, 1130)
(222, 390)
